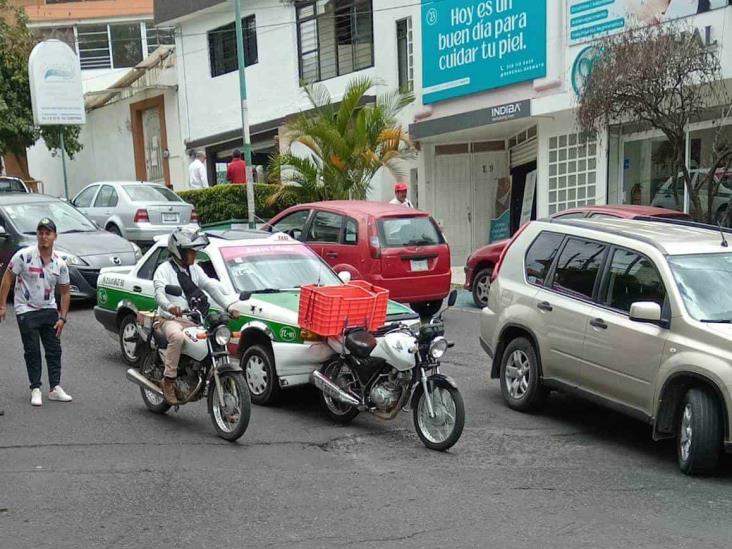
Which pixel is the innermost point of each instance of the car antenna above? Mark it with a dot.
(721, 231)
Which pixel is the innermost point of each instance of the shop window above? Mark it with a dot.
(334, 37)
(572, 172)
(648, 175)
(222, 47)
(717, 192)
(405, 54)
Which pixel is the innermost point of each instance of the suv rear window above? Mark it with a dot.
(397, 232)
(540, 256)
(577, 268)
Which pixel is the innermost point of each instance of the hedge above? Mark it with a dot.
(224, 202)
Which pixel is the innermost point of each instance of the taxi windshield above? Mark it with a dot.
(280, 267)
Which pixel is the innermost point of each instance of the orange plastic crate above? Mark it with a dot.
(328, 310)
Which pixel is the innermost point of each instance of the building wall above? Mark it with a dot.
(40, 12)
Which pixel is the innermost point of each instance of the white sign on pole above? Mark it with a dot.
(528, 202)
(57, 95)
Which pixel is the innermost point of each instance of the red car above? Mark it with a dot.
(394, 247)
(480, 264)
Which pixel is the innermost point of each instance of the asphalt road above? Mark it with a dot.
(104, 472)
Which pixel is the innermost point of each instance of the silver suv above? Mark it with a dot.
(635, 315)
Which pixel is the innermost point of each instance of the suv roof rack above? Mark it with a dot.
(685, 223)
(588, 224)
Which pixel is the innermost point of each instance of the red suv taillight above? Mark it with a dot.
(194, 216)
(374, 242)
(499, 263)
(141, 216)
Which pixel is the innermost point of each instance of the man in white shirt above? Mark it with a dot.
(182, 271)
(198, 178)
(400, 195)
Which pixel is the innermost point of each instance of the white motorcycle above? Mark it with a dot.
(395, 369)
(204, 370)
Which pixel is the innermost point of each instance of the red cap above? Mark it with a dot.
(400, 187)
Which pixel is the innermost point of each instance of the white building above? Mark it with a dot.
(285, 43)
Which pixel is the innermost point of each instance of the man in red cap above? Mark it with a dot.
(400, 195)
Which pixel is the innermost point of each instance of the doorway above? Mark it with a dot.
(150, 140)
(518, 188)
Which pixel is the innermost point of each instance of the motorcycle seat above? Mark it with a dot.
(360, 343)
(160, 340)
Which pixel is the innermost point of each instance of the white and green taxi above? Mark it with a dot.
(274, 352)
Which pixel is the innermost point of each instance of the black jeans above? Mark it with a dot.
(36, 327)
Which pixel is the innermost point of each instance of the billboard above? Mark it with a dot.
(470, 46)
(590, 19)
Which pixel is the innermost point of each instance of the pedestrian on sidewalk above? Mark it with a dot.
(236, 172)
(198, 178)
(400, 195)
(35, 272)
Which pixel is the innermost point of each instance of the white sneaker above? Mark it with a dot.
(59, 395)
(36, 398)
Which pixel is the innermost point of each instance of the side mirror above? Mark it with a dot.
(3, 232)
(175, 291)
(645, 311)
(452, 298)
(244, 296)
(345, 276)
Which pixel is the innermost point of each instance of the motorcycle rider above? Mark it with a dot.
(182, 271)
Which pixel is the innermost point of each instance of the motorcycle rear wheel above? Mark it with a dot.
(154, 402)
(444, 430)
(231, 421)
(338, 411)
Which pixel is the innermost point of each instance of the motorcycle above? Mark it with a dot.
(384, 373)
(204, 370)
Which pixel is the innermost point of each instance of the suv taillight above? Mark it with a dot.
(141, 216)
(499, 263)
(194, 216)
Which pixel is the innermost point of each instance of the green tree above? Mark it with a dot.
(17, 130)
(346, 143)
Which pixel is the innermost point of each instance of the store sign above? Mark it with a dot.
(469, 46)
(500, 226)
(57, 96)
(582, 66)
(590, 19)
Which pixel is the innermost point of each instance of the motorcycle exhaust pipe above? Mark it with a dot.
(136, 377)
(331, 389)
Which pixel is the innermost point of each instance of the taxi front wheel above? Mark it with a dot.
(261, 376)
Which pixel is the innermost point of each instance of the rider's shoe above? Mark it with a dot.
(168, 387)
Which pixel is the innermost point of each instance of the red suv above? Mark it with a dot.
(479, 267)
(394, 247)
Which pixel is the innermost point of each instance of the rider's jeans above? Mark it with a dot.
(173, 330)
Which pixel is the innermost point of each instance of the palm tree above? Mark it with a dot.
(345, 144)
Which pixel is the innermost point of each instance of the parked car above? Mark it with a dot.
(634, 315)
(274, 352)
(12, 185)
(84, 247)
(394, 247)
(480, 263)
(136, 210)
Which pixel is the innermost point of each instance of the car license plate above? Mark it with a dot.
(170, 218)
(419, 265)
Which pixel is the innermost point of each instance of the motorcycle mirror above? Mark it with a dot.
(452, 298)
(173, 290)
(244, 296)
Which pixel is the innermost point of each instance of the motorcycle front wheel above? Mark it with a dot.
(444, 429)
(232, 419)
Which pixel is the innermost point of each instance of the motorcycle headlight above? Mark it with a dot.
(137, 250)
(438, 347)
(222, 335)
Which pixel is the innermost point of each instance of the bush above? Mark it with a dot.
(224, 202)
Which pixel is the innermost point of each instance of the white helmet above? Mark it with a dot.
(185, 239)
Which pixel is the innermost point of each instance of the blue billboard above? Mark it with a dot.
(469, 46)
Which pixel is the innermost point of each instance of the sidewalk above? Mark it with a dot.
(458, 276)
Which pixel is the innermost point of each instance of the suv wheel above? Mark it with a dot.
(520, 381)
(481, 287)
(699, 441)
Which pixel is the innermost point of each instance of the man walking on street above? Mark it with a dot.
(236, 172)
(36, 271)
(400, 195)
(197, 171)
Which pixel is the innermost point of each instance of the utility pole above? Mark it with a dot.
(244, 111)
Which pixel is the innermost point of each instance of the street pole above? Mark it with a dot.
(244, 112)
(63, 164)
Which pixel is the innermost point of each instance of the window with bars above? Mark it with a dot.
(572, 172)
(222, 47)
(158, 36)
(335, 37)
(405, 54)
